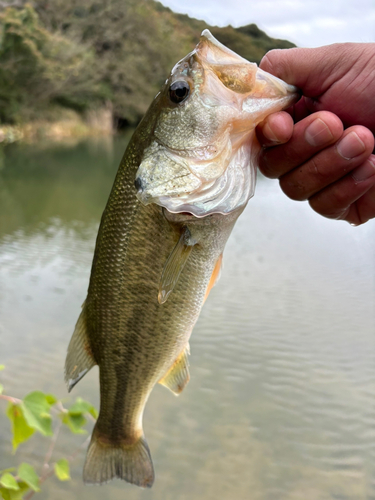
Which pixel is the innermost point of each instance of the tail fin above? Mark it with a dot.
(129, 462)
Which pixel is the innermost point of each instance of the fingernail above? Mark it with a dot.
(317, 133)
(269, 133)
(365, 171)
(350, 146)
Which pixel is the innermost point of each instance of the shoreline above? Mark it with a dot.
(70, 125)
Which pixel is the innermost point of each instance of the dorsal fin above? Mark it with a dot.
(178, 375)
(174, 265)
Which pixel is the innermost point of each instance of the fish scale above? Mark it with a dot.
(153, 265)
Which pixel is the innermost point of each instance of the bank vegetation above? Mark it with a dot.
(74, 68)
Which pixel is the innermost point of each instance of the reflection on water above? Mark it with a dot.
(281, 402)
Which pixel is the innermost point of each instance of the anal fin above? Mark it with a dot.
(174, 265)
(178, 375)
(79, 359)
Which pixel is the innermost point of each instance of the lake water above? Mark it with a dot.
(281, 402)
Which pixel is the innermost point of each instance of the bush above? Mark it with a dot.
(44, 414)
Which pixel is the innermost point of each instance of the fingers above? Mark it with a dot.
(313, 70)
(330, 165)
(309, 137)
(275, 129)
(332, 168)
(364, 207)
(352, 198)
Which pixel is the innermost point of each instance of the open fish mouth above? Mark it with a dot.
(203, 157)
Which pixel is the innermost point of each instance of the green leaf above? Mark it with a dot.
(51, 399)
(20, 429)
(1, 388)
(36, 409)
(62, 469)
(9, 469)
(14, 494)
(5, 494)
(27, 473)
(94, 412)
(2, 367)
(74, 422)
(82, 406)
(8, 481)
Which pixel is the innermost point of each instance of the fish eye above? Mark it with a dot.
(179, 91)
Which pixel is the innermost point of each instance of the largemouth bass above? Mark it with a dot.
(186, 175)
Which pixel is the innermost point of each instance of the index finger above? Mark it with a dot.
(312, 70)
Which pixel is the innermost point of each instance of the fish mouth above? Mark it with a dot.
(253, 90)
(220, 186)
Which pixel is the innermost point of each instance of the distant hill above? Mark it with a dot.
(248, 41)
(114, 53)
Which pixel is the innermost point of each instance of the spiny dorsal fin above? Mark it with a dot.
(178, 375)
(174, 265)
(79, 359)
(214, 276)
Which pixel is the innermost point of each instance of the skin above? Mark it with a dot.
(321, 149)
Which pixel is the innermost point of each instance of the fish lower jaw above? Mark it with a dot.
(218, 187)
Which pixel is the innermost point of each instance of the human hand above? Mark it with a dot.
(315, 158)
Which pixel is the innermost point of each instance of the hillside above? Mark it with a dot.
(65, 54)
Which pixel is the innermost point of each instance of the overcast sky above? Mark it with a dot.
(307, 23)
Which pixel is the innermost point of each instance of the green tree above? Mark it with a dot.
(81, 54)
(38, 68)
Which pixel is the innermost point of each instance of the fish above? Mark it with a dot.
(186, 176)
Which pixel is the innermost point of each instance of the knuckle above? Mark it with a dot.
(294, 190)
(329, 211)
(316, 171)
(334, 202)
(266, 166)
(339, 198)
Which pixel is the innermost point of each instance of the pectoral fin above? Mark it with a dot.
(214, 276)
(174, 265)
(79, 359)
(178, 375)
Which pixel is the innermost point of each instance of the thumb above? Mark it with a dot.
(312, 70)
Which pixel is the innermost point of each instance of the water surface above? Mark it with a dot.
(281, 402)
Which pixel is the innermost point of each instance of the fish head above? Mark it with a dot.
(202, 156)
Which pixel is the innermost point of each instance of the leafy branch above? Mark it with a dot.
(36, 413)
